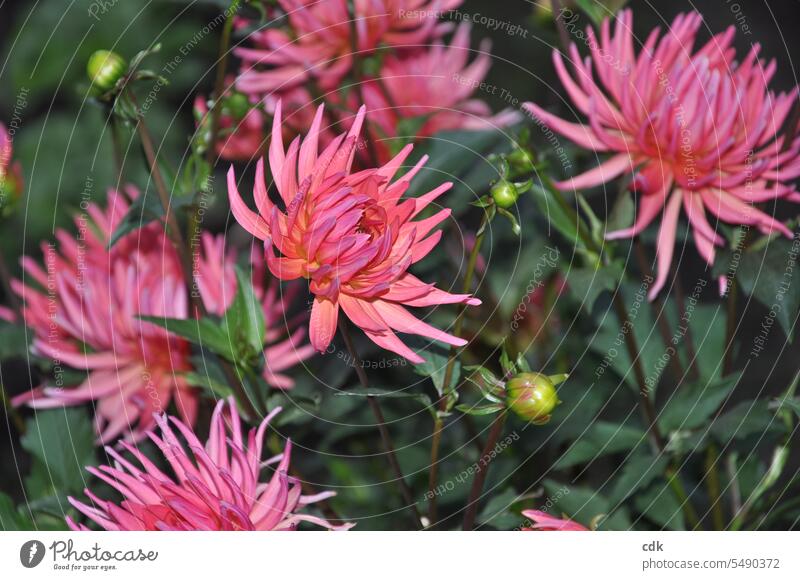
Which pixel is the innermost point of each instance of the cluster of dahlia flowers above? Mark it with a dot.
(319, 53)
(84, 307)
(695, 128)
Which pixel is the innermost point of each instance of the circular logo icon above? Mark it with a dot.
(31, 553)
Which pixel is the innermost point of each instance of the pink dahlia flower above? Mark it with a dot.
(7, 314)
(84, 309)
(319, 42)
(696, 129)
(214, 487)
(433, 85)
(349, 234)
(544, 522)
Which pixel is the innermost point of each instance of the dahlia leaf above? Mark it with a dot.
(203, 332)
(583, 505)
(14, 340)
(378, 392)
(600, 439)
(435, 366)
(638, 471)
(63, 440)
(11, 518)
(691, 405)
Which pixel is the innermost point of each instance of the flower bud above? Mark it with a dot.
(532, 396)
(520, 161)
(105, 68)
(236, 105)
(504, 194)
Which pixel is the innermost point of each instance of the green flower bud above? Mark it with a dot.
(532, 396)
(520, 161)
(10, 193)
(504, 194)
(236, 105)
(105, 68)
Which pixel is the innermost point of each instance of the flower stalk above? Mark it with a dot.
(386, 437)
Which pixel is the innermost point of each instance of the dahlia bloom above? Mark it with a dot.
(215, 487)
(319, 42)
(84, 309)
(544, 522)
(696, 129)
(349, 234)
(434, 85)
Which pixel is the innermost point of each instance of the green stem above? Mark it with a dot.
(219, 82)
(187, 263)
(445, 401)
(483, 470)
(386, 438)
(713, 486)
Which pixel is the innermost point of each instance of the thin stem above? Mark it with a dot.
(186, 258)
(645, 402)
(381, 421)
(483, 470)
(219, 82)
(730, 327)
(563, 35)
(660, 314)
(116, 142)
(444, 401)
(713, 486)
(688, 337)
(680, 494)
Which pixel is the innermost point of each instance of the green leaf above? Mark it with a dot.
(747, 418)
(435, 365)
(599, 439)
(637, 473)
(245, 318)
(498, 512)
(63, 440)
(622, 213)
(584, 505)
(14, 340)
(203, 332)
(378, 392)
(694, 403)
(479, 411)
(143, 210)
(658, 504)
(565, 223)
(11, 519)
(765, 274)
(586, 284)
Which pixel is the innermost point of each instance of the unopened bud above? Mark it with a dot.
(105, 68)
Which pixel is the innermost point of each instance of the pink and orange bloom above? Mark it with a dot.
(214, 487)
(349, 234)
(84, 309)
(434, 85)
(696, 129)
(322, 36)
(544, 522)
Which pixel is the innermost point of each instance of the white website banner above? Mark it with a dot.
(371, 555)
